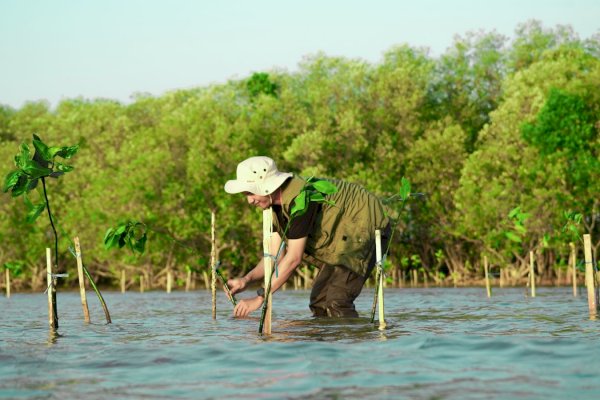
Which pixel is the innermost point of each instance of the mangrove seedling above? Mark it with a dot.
(30, 171)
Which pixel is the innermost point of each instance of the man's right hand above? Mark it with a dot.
(237, 285)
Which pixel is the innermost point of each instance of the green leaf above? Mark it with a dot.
(32, 184)
(325, 187)
(41, 149)
(35, 212)
(108, 235)
(404, 189)
(67, 152)
(140, 244)
(513, 237)
(20, 187)
(34, 170)
(23, 157)
(12, 179)
(514, 212)
(316, 197)
(15, 267)
(63, 167)
(299, 204)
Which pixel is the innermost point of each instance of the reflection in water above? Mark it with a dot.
(53, 336)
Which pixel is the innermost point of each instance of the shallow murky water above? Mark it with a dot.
(439, 344)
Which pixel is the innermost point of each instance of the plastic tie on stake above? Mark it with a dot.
(380, 263)
(274, 258)
(54, 276)
(217, 265)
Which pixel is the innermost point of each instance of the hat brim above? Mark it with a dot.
(235, 186)
(263, 189)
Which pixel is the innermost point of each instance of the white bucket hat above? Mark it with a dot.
(258, 175)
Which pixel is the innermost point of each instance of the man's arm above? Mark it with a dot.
(288, 261)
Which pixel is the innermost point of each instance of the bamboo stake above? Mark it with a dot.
(7, 283)
(188, 280)
(268, 267)
(206, 280)
(169, 281)
(590, 276)
(213, 263)
(141, 283)
(573, 262)
(415, 278)
(52, 317)
(378, 254)
(84, 305)
(488, 287)
(532, 273)
(123, 280)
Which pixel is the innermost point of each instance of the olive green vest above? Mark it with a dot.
(344, 233)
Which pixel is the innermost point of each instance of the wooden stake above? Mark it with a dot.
(378, 255)
(123, 280)
(7, 283)
(84, 305)
(213, 263)
(169, 280)
(267, 261)
(141, 283)
(590, 276)
(488, 287)
(206, 280)
(188, 280)
(52, 317)
(573, 262)
(532, 273)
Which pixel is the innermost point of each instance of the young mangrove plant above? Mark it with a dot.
(134, 235)
(30, 171)
(314, 190)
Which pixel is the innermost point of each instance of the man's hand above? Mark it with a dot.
(246, 306)
(237, 285)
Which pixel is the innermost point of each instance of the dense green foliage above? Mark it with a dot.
(487, 127)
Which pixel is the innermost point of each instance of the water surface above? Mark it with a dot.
(440, 343)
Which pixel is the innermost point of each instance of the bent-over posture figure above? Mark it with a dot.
(337, 238)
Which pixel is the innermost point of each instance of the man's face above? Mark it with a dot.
(257, 200)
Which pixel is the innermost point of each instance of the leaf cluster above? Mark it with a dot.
(132, 234)
(315, 190)
(31, 169)
(15, 267)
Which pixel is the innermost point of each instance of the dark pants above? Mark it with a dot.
(336, 287)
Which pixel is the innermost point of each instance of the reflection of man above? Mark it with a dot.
(337, 238)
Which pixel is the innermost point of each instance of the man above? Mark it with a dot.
(337, 238)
